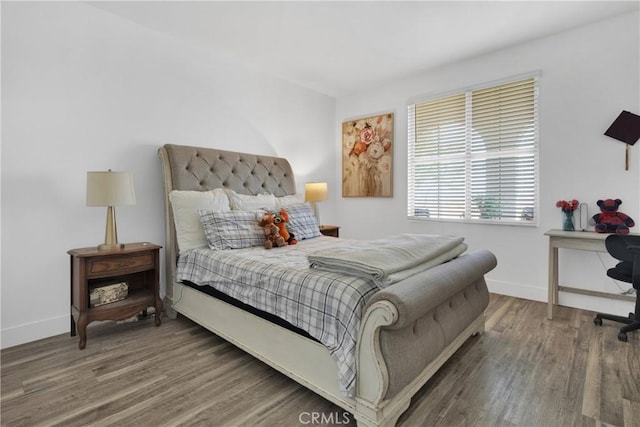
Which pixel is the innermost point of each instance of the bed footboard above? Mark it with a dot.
(412, 327)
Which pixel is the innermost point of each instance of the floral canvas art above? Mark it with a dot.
(367, 157)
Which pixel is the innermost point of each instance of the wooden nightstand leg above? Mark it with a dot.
(82, 331)
(158, 308)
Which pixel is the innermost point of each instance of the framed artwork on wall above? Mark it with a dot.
(367, 156)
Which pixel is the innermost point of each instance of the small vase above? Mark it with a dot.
(567, 221)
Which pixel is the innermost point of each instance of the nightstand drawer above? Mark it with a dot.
(119, 264)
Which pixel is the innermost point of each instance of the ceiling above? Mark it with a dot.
(338, 48)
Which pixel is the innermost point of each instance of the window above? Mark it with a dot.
(473, 155)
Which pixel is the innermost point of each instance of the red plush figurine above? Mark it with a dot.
(610, 220)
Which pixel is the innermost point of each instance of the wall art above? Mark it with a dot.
(367, 157)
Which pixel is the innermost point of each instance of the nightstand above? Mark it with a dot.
(137, 264)
(330, 230)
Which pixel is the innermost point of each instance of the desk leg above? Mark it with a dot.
(553, 279)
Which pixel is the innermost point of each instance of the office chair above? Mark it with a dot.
(626, 249)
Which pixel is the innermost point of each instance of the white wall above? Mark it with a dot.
(588, 75)
(85, 90)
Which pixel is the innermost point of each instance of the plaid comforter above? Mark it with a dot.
(328, 305)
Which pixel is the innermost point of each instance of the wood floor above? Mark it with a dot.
(523, 371)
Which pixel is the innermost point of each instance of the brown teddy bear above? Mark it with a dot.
(280, 219)
(271, 232)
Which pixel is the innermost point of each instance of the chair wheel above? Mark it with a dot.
(622, 336)
(597, 321)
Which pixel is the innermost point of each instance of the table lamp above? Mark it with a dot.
(315, 192)
(110, 189)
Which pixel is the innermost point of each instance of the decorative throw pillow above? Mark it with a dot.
(244, 202)
(185, 206)
(302, 222)
(232, 229)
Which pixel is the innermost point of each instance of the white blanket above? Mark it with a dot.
(391, 259)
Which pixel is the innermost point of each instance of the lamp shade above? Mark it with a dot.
(315, 192)
(110, 189)
(625, 128)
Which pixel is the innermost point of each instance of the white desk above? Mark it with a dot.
(580, 240)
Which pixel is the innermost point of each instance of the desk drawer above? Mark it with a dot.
(120, 264)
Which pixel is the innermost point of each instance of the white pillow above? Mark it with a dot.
(284, 201)
(233, 229)
(244, 202)
(185, 206)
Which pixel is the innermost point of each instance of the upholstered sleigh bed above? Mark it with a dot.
(408, 330)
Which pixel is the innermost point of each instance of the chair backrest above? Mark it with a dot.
(625, 248)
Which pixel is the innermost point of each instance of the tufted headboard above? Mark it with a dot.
(203, 169)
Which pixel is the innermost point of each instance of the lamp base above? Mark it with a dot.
(316, 211)
(111, 233)
(110, 247)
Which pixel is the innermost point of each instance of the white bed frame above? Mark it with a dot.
(302, 359)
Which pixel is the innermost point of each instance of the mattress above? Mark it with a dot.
(213, 292)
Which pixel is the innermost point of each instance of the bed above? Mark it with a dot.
(406, 331)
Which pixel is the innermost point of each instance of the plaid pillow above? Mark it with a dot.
(302, 222)
(232, 229)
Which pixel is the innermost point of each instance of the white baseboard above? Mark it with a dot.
(21, 334)
(517, 290)
(585, 302)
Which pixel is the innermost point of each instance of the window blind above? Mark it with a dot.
(473, 155)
